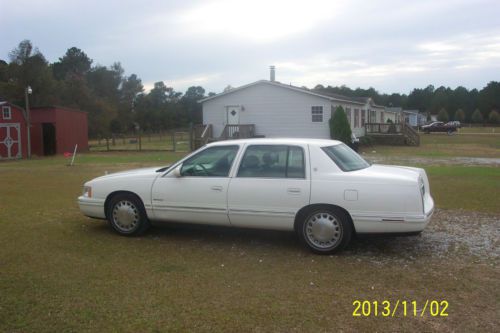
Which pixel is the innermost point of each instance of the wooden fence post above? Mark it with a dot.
(107, 143)
(140, 142)
(173, 140)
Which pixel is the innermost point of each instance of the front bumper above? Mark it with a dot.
(92, 207)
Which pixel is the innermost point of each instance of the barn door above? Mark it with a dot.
(10, 141)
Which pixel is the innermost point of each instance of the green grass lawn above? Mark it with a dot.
(465, 187)
(443, 145)
(61, 271)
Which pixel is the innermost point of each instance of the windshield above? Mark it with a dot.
(346, 158)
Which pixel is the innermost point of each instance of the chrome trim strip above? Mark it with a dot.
(187, 208)
(90, 203)
(261, 212)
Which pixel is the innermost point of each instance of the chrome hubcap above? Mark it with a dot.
(323, 230)
(125, 215)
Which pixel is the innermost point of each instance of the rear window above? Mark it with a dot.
(346, 158)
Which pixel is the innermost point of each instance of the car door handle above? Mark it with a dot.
(216, 188)
(293, 190)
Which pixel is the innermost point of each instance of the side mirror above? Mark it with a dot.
(177, 171)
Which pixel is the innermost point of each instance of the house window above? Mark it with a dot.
(373, 116)
(6, 113)
(348, 114)
(317, 114)
(363, 115)
(382, 120)
(356, 117)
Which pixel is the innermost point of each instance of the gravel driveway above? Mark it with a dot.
(451, 234)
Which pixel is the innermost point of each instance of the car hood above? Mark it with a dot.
(134, 173)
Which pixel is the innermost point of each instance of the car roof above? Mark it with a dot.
(279, 141)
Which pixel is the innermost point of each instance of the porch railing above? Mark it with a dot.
(238, 132)
(411, 136)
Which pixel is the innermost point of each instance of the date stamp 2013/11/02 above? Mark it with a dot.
(398, 308)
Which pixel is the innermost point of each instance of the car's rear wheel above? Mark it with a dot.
(325, 230)
(127, 215)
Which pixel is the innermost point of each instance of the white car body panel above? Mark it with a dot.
(174, 199)
(379, 199)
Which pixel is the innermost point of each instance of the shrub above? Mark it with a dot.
(477, 117)
(460, 115)
(339, 126)
(443, 116)
(494, 117)
(366, 140)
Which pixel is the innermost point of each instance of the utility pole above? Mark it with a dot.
(27, 92)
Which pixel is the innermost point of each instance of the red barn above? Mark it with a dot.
(54, 130)
(13, 135)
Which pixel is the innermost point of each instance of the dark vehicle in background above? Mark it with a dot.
(439, 126)
(455, 123)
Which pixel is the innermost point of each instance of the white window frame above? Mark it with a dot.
(356, 118)
(9, 110)
(317, 110)
(348, 114)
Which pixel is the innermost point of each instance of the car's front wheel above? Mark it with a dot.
(325, 230)
(127, 215)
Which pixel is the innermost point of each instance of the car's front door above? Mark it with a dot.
(199, 194)
(270, 186)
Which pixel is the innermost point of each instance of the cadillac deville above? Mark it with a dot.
(321, 189)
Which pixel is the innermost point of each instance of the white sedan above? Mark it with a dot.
(321, 189)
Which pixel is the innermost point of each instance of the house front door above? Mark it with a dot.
(233, 115)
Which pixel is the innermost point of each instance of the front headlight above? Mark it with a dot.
(87, 191)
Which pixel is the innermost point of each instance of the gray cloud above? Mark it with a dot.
(390, 45)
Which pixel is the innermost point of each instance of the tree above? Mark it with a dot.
(460, 115)
(489, 98)
(420, 99)
(494, 117)
(22, 52)
(477, 117)
(339, 126)
(191, 105)
(443, 115)
(30, 68)
(74, 63)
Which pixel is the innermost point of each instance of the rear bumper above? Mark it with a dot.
(92, 207)
(365, 224)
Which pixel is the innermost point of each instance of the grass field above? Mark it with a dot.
(61, 271)
(443, 145)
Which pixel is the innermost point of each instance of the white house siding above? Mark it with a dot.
(279, 111)
(357, 128)
(275, 111)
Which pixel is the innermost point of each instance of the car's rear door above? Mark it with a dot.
(271, 184)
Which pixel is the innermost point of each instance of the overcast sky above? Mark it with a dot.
(392, 46)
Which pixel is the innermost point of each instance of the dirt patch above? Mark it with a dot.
(457, 235)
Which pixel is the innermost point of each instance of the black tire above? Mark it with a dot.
(321, 239)
(126, 215)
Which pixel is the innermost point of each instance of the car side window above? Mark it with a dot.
(211, 162)
(272, 161)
